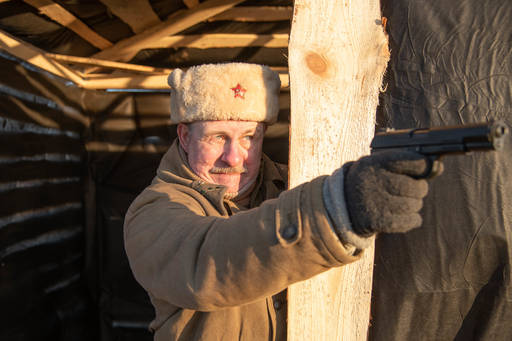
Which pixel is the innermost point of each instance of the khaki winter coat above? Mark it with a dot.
(211, 267)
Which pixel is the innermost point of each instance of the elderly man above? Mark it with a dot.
(216, 238)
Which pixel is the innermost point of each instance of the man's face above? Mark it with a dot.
(224, 152)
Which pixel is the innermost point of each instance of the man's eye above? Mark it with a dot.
(246, 140)
(218, 139)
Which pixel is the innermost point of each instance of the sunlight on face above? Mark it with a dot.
(226, 153)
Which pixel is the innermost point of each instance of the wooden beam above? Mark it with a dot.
(138, 14)
(221, 40)
(105, 64)
(336, 67)
(35, 56)
(59, 14)
(255, 13)
(127, 48)
(131, 81)
(155, 78)
(191, 3)
(39, 58)
(100, 146)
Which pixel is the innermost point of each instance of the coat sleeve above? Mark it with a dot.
(206, 263)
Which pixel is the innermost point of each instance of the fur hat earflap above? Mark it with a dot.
(222, 92)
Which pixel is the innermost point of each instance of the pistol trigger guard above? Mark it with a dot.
(434, 167)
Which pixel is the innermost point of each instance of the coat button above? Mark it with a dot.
(289, 232)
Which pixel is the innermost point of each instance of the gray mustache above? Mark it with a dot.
(228, 170)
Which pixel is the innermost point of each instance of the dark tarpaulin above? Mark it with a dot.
(451, 63)
(71, 160)
(125, 140)
(42, 293)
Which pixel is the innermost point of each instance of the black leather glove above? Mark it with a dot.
(382, 194)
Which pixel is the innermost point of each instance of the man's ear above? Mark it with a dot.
(183, 136)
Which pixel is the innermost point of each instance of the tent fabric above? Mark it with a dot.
(66, 178)
(451, 63)
(42, 292)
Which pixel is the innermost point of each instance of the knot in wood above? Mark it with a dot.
(317, 63)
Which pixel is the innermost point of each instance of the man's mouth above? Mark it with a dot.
(228, 170)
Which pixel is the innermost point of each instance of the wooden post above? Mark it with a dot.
(337, 56)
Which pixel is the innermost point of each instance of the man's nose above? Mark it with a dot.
(233, 154)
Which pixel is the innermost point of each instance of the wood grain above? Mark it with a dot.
(59, 14)
(337, 56)
(125, 49)
(138, 14)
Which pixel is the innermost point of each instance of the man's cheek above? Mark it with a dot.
(210, 154)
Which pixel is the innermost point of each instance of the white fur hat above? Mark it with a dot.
(218, 92)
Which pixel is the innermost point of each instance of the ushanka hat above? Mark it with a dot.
(221, 92)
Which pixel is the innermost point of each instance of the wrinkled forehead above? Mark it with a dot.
(200, 128)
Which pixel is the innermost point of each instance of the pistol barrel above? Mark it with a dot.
(443, 140)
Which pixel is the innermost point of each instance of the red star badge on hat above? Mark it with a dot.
(239, 91)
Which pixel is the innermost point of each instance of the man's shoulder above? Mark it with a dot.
(161, 195)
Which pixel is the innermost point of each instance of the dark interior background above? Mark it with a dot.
(71, 162)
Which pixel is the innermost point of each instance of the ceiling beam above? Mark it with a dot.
(130, 76)
(138, 14)
(60, 15)
(127, 48)
(131, 81)
(255, 13)
(35, 56)
(126, 81)
(105, 64)
(221, 40)
(191, 3)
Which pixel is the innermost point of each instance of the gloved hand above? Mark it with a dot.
(381, 194)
